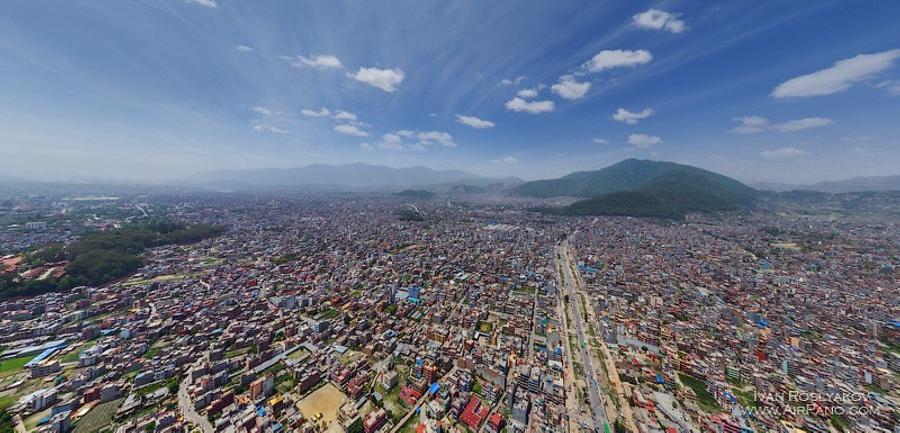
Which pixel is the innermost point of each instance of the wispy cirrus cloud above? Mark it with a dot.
(839, 77)
(261, 127)
(512, 81)
(507, 160)
(264, 111)
(243, 48)
(757, 124)
(656, 19)
(207, 3)
(892, 87)
(320, 61)
(783, 153)
(801, 124)
(474, 122)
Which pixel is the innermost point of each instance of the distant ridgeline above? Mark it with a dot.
(644, 189)
(100, 257)
(420, 194)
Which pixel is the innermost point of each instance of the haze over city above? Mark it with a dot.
(796, 92)
(454, 216)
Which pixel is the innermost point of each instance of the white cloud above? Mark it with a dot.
(757, 124)
(384, 79)
(263, 110)
(436, 137)
(390, 142)
(801, 124)
(269, 128)
(532, 92)
(623, 115)
(783, 153)
(600, 140)
(658, 20)
(366, 147)
(474, 121)
(508, 160)
(568, 88)
(321, 61)
(750, 125)
(394, 141)
(837, 78)
(344, 115)
(533, 107)
(243, 48)
(207, 3)
(608, 59)
(891, 87)
(323, 112)
(643, 141)
(351, 130)
(512, 82)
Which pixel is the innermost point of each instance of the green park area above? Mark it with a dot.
(704, 399)
(98, 417)
(13, 365)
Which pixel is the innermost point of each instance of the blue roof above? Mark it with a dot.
(434, 388)
(261, 411)
(44, 355)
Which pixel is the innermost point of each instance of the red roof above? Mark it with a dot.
(409, 396)
(474, 413)
(496, 420)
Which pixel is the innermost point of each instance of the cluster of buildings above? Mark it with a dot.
(757, 322)
(332, 314)
(307, 315)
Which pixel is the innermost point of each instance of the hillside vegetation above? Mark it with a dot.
(100, 257)
(644, 189)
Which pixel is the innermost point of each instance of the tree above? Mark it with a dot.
(356, 426)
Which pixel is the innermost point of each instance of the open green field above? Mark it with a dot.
(100, 416)
(298, 354)
(704, 399)
(13, 365)
(327, 314)
(485, 327)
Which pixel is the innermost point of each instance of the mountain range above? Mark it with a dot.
(854, 184)
(636, 187)
(357, 175)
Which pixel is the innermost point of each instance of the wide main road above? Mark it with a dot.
(566, 265)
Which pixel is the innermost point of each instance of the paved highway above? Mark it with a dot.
(566, 264)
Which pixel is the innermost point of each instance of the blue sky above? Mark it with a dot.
(796, 91)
